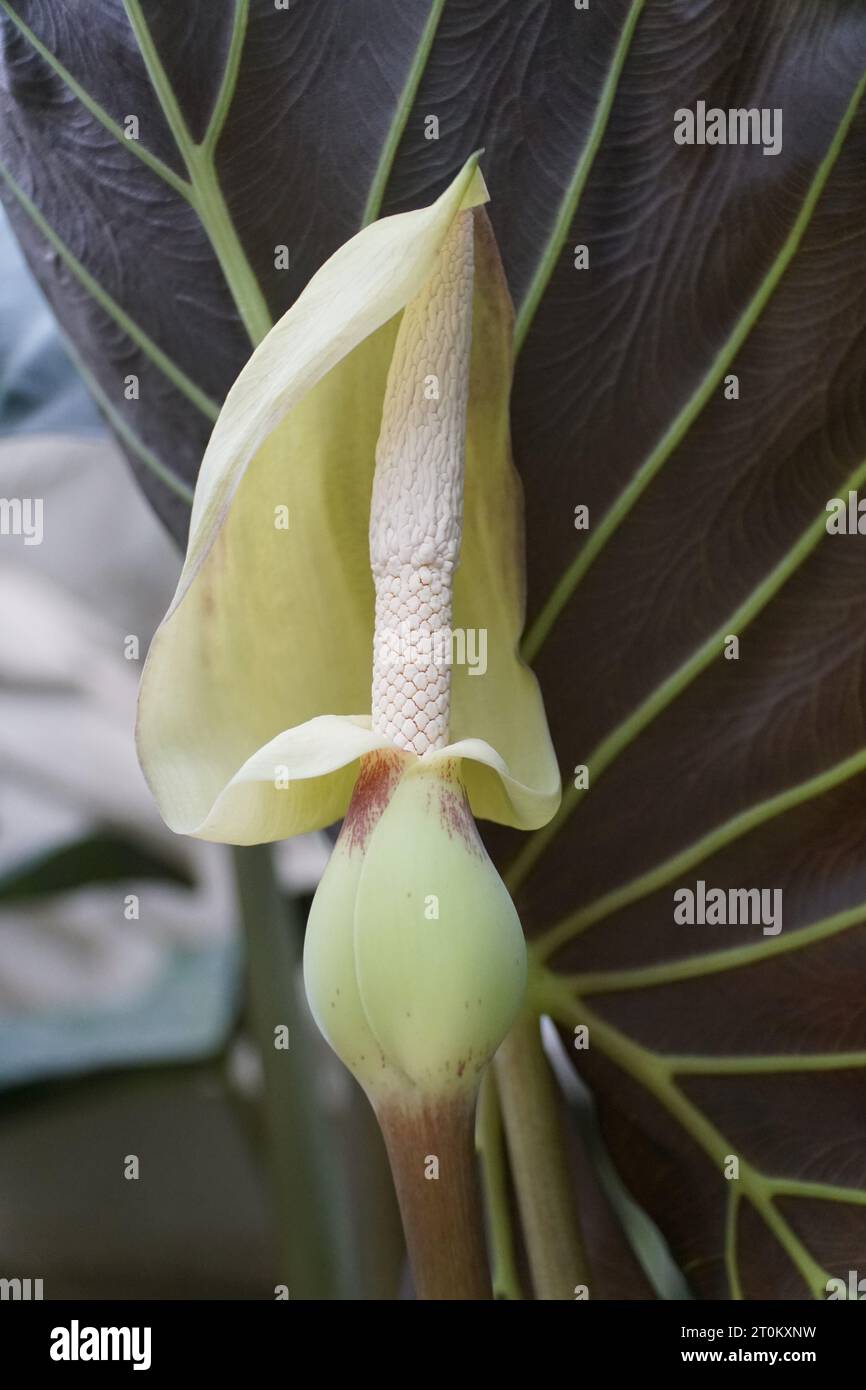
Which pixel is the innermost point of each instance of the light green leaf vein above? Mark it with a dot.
(207, 195)
(159, 79)
(716, 839)
(202, 188)
(131, 439)
(373, 205)
(569, 205)
(755, 1064)
(615, 743)
(135, 147)
(175, 374)
(655, 1074)
(732, 1213)
(820, 1191)
(673, 436)
(711, 962)
(229, 77)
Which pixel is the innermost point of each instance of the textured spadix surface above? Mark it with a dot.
(255, 702)
(416, 518)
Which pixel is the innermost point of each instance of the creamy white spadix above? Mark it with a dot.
(416, 512)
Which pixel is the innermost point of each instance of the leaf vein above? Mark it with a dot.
(719, 837)
(713, 962)
(571, 200)
(176, 375)
(673, 686)
(376, 194)
(689, 412)
(135, 147)
(652, 1072)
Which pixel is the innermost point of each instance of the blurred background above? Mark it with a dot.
(137, 1017)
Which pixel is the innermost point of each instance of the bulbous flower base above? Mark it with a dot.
(415, 962)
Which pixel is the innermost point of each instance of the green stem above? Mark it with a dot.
(367, 1204)
(490, 1143)
(539, 1162)
(303, 1167)
(440, 1205)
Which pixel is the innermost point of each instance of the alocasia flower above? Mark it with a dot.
(357, 521)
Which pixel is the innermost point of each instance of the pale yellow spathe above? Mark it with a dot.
(255, 698)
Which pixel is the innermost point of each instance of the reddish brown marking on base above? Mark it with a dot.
(377, 781)
(464, 1062)
(456, 817)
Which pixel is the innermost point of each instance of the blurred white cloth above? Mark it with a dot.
(104, 572)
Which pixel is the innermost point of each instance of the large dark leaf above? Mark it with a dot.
(707, 513)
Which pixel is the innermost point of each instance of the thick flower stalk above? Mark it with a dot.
(307, 671)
